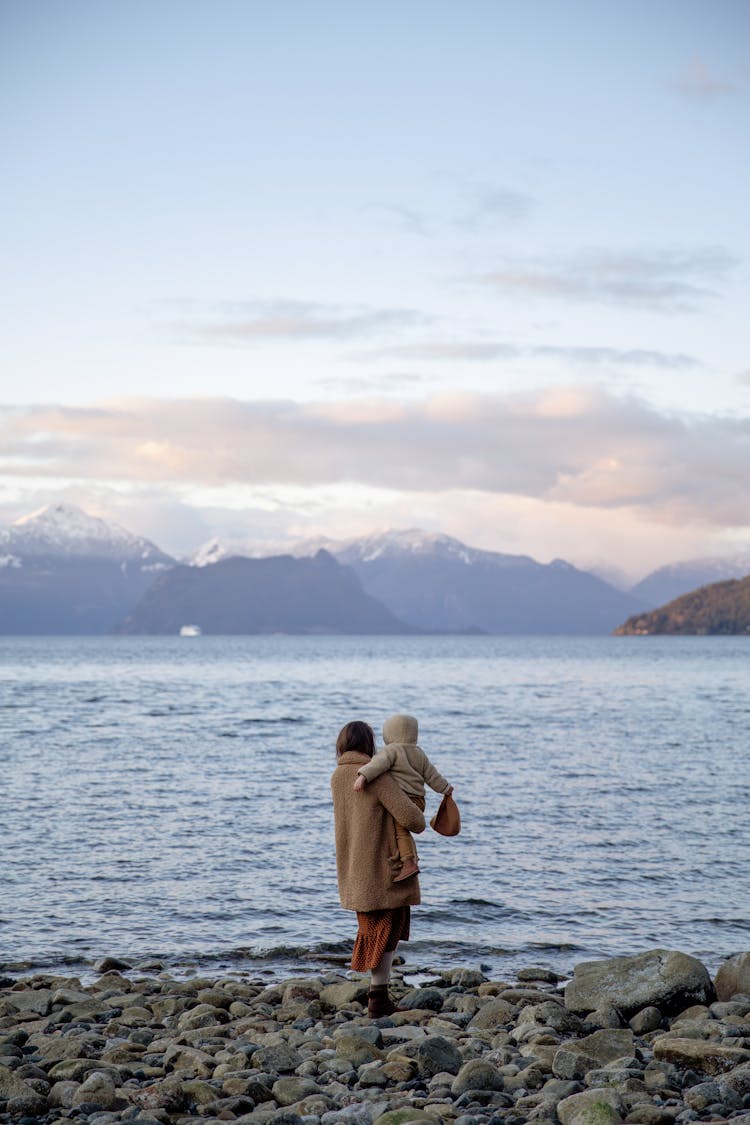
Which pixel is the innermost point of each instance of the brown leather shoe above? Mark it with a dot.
(379, 1002)
(407, 870)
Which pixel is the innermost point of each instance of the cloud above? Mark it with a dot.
(495, 204)
(487, 351)
(661, 281)
(355, 384)
(576, 445)
(697, 82)
(292, 321)
(413, 222)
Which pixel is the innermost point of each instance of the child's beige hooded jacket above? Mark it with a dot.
(410, 767)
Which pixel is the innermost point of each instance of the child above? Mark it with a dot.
(411, 768)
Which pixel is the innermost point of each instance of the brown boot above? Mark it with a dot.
(379, 1002)
(408, 868)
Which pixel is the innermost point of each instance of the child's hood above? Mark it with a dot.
(401, 729)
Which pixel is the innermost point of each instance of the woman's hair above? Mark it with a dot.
(356, 736)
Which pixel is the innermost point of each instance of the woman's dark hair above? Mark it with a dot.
(356, 736)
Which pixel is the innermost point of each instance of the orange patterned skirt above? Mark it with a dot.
(378, 932)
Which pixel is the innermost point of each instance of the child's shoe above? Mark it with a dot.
(408, 869)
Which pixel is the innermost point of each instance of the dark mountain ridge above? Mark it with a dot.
(280, 594)
(721, 609)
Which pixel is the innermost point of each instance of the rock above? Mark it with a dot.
(372, 1076)
(591, 1107)
(369, 1032)
(577, 1057)
(350, 1115)
(571, 1064)
(702, 1055)
(13, 1087)
(342, 995)
(694, 1012)
(203, 1015)
(605, 1046)
(433, 1054)
(199, 1092)
(62, 1093)
(357, 1050)
(645, 1113)
(405, 1115)
(29, 1104)
(660, 978)
(75, 1070)
(733, 976)
(648, 1019)
(108, 964)
(292, 1089)
(477, 1075)
(604, 1016)
(430, 998)
(99, 1089)
(551, 1014)
(704, 1094)
(495, 1013)
(195, 1063)
(533, 973)
(466, 978)
(37, 1000)
(400, 1069)
(277, 1059)
(168, 1095)
(738, 1080)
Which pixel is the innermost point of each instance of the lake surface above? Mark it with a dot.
(169, 798)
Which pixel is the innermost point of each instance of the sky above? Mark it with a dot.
(278, 270)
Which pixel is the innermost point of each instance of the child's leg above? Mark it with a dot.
(405, 842)
(407, 849)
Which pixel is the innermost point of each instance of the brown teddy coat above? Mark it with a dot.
(366, 852)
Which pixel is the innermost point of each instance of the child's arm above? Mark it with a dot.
(360, 783)
(433, 777)
(379, 763)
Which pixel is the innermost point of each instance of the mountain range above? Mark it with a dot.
(63, 571)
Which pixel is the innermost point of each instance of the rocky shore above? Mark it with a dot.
(647, 1039)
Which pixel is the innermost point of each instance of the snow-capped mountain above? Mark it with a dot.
(436, 582)
(64, 531)
(670, 582)
(64, 571)
(414, 542)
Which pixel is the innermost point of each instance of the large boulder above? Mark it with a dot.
(659, 978)
(733, 977)
(702, 1055)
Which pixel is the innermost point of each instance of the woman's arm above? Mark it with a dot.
(404, 811)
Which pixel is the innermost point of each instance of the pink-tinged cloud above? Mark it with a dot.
(570, 445)
(697, 82)
(659, 281)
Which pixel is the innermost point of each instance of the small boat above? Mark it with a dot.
(191, 631)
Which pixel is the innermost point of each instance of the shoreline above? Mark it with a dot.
(648, 1039)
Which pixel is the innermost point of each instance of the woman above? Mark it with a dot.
(367, 859)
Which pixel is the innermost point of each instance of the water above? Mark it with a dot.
(169, 798)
